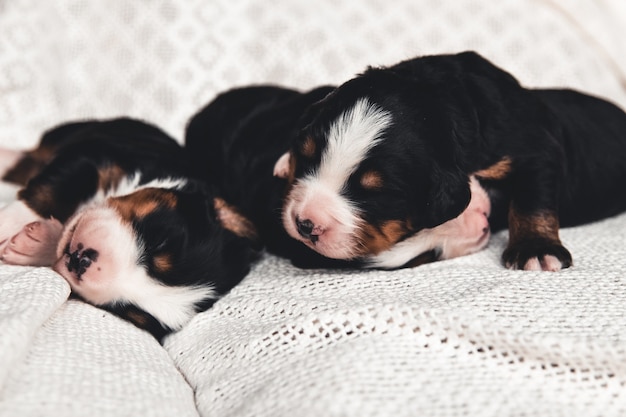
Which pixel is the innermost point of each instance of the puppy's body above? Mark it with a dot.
(391, 154)
(112, 207)
(592, 133)
(548, 157)
(236, 141)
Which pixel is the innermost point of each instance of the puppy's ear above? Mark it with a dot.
(282, 166)
(449, 195)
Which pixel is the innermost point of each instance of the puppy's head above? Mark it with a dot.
(157, 255)
(373, 163)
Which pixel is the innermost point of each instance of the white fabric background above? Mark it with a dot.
(456, 338)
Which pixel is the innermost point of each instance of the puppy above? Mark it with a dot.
(110, 205)
(391, 153)
(235, 142)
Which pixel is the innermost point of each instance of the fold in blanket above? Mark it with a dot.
(28, 297)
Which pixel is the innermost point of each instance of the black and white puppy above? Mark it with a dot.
(391, 153)
(235, 142)
(110, 205)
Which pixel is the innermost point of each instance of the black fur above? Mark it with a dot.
(234, 142)
(562, 152)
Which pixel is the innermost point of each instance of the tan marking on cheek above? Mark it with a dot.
(376, 239)
(308, 147)
(230, 218)
(497, 171)
(139, 319)
(109, 176)
(163, 262)
(143, 202)
(371, 180)
(543, 224)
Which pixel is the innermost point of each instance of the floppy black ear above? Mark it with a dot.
(448, 197)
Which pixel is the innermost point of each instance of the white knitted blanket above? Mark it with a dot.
(464, 337)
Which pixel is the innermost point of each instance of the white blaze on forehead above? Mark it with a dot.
(318, 197)
(350, 138)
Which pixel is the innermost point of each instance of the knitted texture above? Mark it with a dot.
(162, 59)
(464, 337)
(28, 296)
(86, 362)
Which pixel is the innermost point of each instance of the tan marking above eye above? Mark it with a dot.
(162, 262)
(143, 202)
(371, 180)
(308, 147)
(497, 171)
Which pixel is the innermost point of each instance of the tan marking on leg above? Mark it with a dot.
(543, 224)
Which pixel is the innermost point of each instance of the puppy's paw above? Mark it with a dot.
(537, 255)
(34, 245)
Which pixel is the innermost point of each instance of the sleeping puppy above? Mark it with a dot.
(111, 207)
(235, 142)
(391, 152)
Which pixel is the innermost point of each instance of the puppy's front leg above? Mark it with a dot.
(534, 243)
(533, 220)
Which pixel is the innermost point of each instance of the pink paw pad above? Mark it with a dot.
(34, 245)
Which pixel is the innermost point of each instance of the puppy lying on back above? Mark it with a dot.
(238, 138)
(111, 207)
(416, 132)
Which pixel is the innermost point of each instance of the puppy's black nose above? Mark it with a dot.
(305, 227)
(80, 260)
